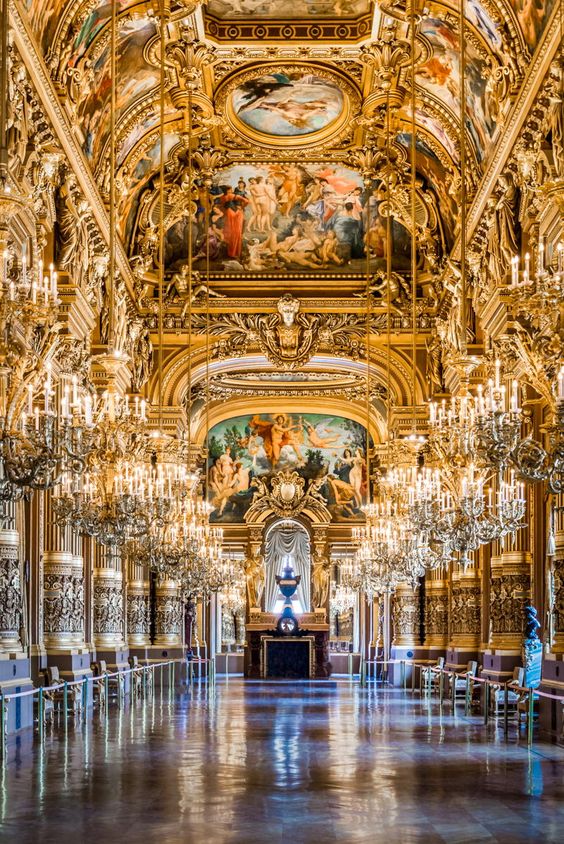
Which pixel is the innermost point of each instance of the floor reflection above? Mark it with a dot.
(278, 762)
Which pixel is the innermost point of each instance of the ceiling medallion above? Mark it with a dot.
(288, 106)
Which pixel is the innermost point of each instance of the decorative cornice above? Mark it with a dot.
(537, 70)
(39, 76)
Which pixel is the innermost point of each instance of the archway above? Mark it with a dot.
(287, 542)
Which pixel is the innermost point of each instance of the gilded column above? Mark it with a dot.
(14, 662)
(108, 607)
(63, 598)
(406, 617)
(558, 583)
(138, 610)
(436, 612)
(168, 616)
(320, 572)
(510, 589)
(406, 627)
(11, 607)
(465, 616)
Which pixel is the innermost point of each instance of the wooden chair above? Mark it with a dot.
(54, 700)
(432, 674)
(497, 694)
(459, 680)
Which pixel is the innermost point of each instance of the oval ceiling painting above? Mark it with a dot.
(288, 104)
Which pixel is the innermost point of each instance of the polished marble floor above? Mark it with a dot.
(259, 763)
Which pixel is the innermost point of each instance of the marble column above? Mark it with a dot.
(108, 608)
(436, 613)
(168, 617)
(465, 616)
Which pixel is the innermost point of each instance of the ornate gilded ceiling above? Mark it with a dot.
(282, 102)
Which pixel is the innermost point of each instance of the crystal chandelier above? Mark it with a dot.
(116, 498)
(537, 299)
(343, 597)
(44, 413)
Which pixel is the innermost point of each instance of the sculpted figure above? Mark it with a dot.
(505, 216)
(319, 582)
(557, 132)
(141, 355)
(74, 241)
(18, 123)
(434, 371)
(254, 572)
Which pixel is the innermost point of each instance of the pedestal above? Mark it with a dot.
(257, 631)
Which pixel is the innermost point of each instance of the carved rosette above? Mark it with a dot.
(63, 601)
(10, 592)
(168, 615)
(108, 608)
(138, 613)
(466, 610)
(509, 590)
(406, 617)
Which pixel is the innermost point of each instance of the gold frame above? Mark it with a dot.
(332, 132)
(265, 639)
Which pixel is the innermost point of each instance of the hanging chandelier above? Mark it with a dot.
(116, 497)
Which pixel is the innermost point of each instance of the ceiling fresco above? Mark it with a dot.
(282, 106)
(287, 105)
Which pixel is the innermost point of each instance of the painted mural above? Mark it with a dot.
(289, 217)
(440, 75)
(436, 176)
(533, 16)
(287, 105)
(318, 446)
(483, 22)
(281, 10)
(137, 78)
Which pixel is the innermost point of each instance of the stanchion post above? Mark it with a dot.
(412, 677)
(505, 708)
(441, 686)
(3, 726)
(65, 703)
(84, 695)
(486, 702)
(467, 696)
(349, 659)
(107, 692)
(530, 716)
(402, 674)
(454, 690)
(40, 711)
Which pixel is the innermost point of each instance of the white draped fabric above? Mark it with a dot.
(283, 542)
